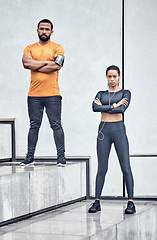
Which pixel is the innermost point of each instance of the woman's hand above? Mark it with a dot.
(122, 102)
(97, 101)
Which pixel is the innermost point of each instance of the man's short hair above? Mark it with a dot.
(45, 21)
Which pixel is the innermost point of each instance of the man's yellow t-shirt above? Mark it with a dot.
(43, 84)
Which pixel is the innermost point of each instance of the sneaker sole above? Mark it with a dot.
(23, 164)
(127, 212)
(95, 211)
(61, 165)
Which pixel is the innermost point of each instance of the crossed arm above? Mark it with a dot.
(40, 66)
(121, 106)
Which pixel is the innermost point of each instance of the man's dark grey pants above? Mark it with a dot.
(52, 106)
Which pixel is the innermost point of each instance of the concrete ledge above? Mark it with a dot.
(74, 222)
(140, 226)
(24, 191)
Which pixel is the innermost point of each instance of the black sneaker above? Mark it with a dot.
(61, 161)
(95, 207)
(130, 208)
(27, 161)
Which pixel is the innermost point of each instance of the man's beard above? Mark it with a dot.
(44, 39)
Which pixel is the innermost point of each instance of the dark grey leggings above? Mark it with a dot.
(36, 107)
(113, 132)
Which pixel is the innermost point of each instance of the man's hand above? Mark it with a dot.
(50, 67)
(30, 63)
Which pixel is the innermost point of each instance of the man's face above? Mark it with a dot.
(44, 31)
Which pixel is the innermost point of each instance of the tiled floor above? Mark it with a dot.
(72, 222)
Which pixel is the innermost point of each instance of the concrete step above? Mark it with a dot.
(44, 186)
(73, 222)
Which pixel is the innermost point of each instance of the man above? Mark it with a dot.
(45, 59)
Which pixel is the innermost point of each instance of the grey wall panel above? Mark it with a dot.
(140, 78)
(90, 32)
(140, 74)
(5, 141)
(144, 170)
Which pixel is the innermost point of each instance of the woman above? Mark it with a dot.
(112, 104)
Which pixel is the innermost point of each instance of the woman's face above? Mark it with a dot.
(113, 78)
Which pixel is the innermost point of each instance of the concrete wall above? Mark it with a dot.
(140, 78)
(90, 32)
(5, 141)
(140, 74)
